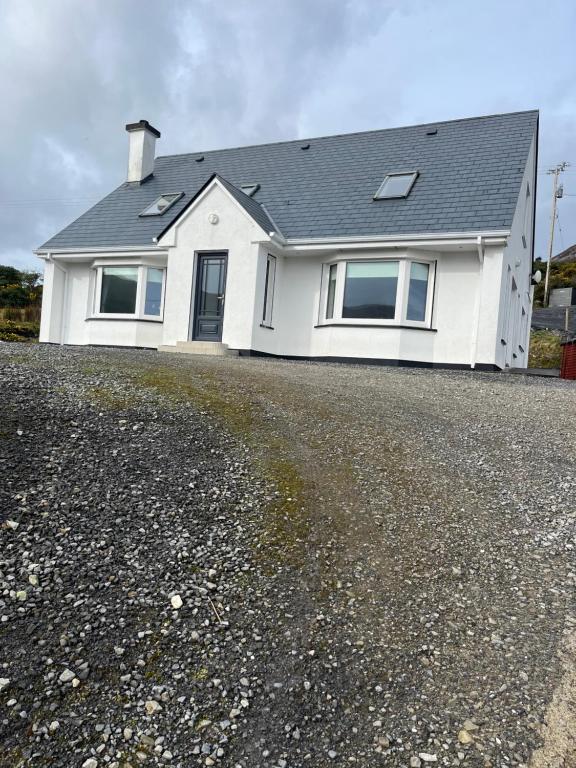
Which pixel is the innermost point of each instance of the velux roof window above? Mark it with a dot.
(396, 185)
(161, 204)
(250, 189)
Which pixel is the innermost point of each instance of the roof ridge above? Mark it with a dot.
(353, 133)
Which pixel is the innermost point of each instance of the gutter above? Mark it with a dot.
(466, 239)
(45, 253)
(499, 234)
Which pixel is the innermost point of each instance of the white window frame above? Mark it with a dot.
(527, 216)
(139, 313)
(379, 195)
(403, 286)
(147, 212)
(269, 286)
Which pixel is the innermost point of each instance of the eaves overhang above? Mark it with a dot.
(452, 240)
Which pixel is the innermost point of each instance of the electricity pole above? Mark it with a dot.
(555, 195)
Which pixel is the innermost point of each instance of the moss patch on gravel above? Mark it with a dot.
(105, 397)
(286, 522)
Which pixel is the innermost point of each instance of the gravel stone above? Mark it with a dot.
(370, 561)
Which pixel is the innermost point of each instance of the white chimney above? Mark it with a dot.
(142, 137)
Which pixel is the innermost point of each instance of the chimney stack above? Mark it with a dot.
(142, 137)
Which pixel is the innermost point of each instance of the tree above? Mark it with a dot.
(19, 288)
(9, 275)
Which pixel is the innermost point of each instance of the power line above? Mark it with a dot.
(560, 230)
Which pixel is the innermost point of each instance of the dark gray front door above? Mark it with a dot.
(209, 304)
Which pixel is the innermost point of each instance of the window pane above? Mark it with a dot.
(161, 204)
(417, 292)
(210, 304)
(331, 291)
(396, 185)
(370, 290)
(269, 290)
(118, 293)
(153, 297)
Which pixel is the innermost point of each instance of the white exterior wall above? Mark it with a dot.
(52, 303)
(67, 304)
(235, 233)
(458, 277)
(517, 264)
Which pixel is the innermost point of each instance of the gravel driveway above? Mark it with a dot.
(243, 562)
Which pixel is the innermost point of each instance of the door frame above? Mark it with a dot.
(196, 293)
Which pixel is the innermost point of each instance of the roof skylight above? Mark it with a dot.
(396, 185)
(250, 189)
(161, 204)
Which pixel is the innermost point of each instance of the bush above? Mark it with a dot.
(545, 349)
(18, 331)
(562, 275)
(13, 296)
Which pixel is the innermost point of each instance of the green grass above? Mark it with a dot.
(545, 349)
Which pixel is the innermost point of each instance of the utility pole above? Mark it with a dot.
(555, 195)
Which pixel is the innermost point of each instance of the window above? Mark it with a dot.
(396, 185)
(135, 292)
(153, 297)
(118, 294)
(370, 290)
(162, 204)
(527, 211)
(417, 291)
(250, 189)
(379, 292)
(269, 291)
(331, 291)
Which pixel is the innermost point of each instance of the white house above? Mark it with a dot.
(408, 246)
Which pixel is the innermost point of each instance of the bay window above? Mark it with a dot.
(129, 292)
(269, 281)
(378, 292)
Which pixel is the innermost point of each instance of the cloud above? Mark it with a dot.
(213, 74)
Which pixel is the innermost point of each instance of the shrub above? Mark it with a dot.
(545, 349)
(18, 331)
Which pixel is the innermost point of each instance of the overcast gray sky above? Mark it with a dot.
(231, 72)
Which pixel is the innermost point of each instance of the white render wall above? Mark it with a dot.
(517, 263)
(234, 233)
(458, 276)
(67, 309)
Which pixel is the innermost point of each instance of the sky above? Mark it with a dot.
(211, 74)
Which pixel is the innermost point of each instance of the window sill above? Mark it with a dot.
(124, 319)
(268, 327)
(379, 325)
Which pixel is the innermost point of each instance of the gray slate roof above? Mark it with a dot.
(469, 179)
